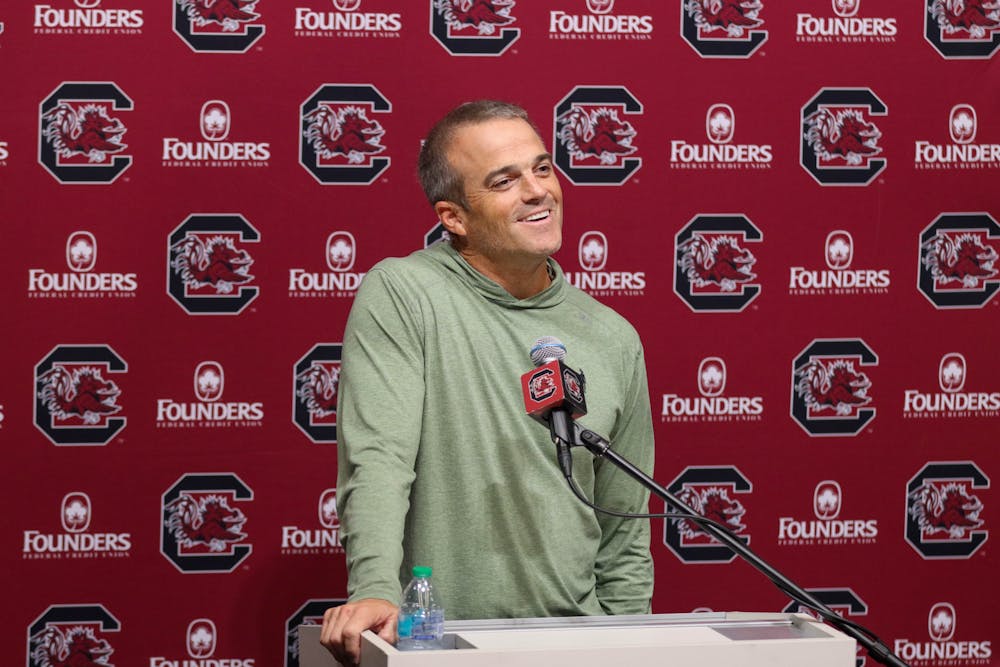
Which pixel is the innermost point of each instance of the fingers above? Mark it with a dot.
(332, 635)
(343, 625)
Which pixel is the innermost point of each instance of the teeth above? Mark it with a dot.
(538, 216)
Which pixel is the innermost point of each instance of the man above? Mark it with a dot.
(438, 464)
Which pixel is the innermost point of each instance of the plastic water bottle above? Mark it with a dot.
(421, 616)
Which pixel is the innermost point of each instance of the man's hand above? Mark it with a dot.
(343, 625)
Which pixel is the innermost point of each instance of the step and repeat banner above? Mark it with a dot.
(794, 203)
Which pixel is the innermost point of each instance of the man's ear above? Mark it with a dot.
(452, 216)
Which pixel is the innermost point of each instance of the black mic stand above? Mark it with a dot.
(600, 446)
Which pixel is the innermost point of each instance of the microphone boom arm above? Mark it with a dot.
(600, 446)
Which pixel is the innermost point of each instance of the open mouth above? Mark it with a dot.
(536, 217)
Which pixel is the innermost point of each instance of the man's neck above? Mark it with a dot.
(521, 282)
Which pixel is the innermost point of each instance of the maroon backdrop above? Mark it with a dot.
(794, 203)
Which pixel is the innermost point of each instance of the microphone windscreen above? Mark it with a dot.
(546, 349)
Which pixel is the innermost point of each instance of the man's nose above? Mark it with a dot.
(532, 188)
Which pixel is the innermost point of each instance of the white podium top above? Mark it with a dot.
(677, 640)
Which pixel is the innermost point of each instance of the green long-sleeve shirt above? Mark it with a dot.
(439, 465)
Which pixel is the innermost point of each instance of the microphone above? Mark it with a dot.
(554, 394)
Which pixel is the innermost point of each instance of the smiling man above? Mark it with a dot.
(438, 464)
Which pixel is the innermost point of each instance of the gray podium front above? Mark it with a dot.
(669, 640)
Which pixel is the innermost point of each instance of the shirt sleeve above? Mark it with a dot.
(624, 568)
(379, 415)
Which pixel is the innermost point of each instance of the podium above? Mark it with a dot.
(669, 640)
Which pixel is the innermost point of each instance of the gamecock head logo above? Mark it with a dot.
(593, 251)
(70, 635)
(81, 134)
(76, 512)
(826, 500)
(74, 645)
(318, 389)
(76, 399)
(203, 526)
(941, 622)
(316, 381)
(830, 387)
(713, 266)
(712, 493)
(597, 134)
(943, 512)
(711, 376)
(712, 503)
(945, 509)
(723, 28)
(201, 636)
(839, 250)
(206, 522)
(345, 134)
(720, 123)
(474, 27)
(962, 259)
(840, 141)
(963, 28)
(951, 372)
(218, 25)
(958, 254)
(716, 262)
(594, 138)
(341, 139)
(81, 251)
(209, 264)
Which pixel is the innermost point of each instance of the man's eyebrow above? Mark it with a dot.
(506, 169)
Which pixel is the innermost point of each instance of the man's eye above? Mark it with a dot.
(502, 183)
(543, 168)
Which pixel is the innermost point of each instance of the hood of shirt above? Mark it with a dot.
(452, 261)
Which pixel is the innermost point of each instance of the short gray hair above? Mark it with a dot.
(437, 177)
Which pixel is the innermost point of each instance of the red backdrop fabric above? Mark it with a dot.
(794, 203)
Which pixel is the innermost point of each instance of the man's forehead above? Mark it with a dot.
(494, 143)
